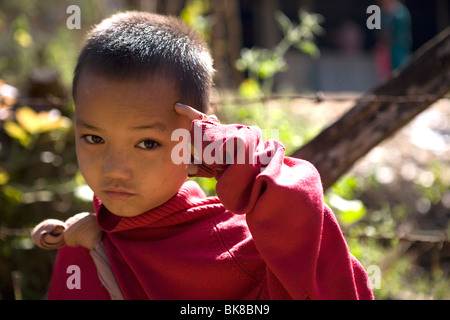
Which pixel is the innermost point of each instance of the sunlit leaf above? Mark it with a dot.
(309, 48)
(4, 177)
(283, 21)
(13, 194)
(27, 118)
(346, 186)
(23, 38)
(40, 122)
(249, 88)
(350, 211)
(312, 21)
(268, 68)
(17, 132)
(195, 14)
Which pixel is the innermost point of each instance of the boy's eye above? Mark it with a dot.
(147, 144)
(93, 139)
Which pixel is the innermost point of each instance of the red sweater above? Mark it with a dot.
(268, 235)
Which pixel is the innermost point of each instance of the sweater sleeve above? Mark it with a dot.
(296, 234)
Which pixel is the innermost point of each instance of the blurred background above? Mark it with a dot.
(291, 65)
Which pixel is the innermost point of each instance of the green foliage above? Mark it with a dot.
(195, 14)
(37, 181)
(33, 34)
(262, 65)
(38, 167)
(342, 199)
(30, 125)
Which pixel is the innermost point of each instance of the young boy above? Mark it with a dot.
(268, 234)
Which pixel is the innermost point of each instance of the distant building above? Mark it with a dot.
(347, 61)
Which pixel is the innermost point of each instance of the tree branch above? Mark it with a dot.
(371, 121)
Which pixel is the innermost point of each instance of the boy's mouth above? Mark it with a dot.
(118, 194)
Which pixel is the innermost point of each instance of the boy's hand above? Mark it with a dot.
(220, 145)
(192, 114)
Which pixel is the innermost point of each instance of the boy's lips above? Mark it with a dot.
(118, 194)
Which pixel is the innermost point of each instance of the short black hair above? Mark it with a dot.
(133, 44)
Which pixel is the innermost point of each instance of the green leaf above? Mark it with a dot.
(43, 121)
(249, 89)
(346, 186)
(309, 48)
(350, 211)
(269, 68)
(17, 132)
(283, 21)
(13, 194)
(4, 177)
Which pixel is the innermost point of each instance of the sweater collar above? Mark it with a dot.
(182, 207)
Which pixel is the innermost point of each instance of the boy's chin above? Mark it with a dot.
(128, 211)
(125, 212)
(134, 205)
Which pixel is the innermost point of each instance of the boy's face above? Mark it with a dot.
(123, 141)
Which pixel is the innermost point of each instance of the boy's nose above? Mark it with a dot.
(116, 166)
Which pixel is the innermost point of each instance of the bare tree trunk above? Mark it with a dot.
(226, 41)
(172, 7)
(381, 112)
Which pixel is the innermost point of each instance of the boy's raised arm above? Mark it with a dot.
(296, 234)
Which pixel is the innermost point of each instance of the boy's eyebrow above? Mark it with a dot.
(154, 125)
(82, 123)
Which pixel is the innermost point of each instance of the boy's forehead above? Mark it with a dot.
(139, 105)
(142, 90)
(91, 79)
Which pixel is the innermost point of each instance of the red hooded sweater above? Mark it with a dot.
(268, 235)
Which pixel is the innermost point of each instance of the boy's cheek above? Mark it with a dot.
(86, 164)
(82, 158)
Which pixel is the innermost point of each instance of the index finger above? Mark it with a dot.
(188, 111)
